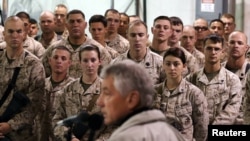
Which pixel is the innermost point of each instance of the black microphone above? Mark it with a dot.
(68, 122)
(95, 123)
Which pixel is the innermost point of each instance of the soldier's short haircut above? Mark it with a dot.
(162, 18)
(61, 5)
(216, 20)
(126, 15)
(176, 21)
(227, 15)
(75, 11)
(90, 47)
(33, 21)
(98, 18)
(136, 23)
(62, 47)
(214, 38)
(176, 52)
(23, 14)
(130, 76)
(111, 10)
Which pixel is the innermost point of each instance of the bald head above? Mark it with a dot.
(47, 14)
(237, 44)
(239, 33)
(13, 19)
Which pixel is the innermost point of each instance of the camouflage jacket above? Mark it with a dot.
(185, 109)
(152, 63)
(50, 98)
(73, 100)
(30, 82)
(223, 95)
(119, 43)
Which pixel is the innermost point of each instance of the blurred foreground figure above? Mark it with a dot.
(126, 99)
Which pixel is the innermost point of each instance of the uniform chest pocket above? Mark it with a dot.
(184, 114)
(220, 98)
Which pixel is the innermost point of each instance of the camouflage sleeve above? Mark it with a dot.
(39, 50)
(231, 109)
(45, 61)
(59, 131)
(200, 115)
(105, 57)
(35, 93)
(247, 101)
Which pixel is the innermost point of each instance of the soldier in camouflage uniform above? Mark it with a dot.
(246, 115)
(162, 26)
(98, 29)
(184, 105)
(60, 13)
(238, 64)
(81, 94)
(76, 39)
(113, 39)
(221, 87)
(188, 40)
(30, 43)
(47, 24)
(60, 62)
(140, 53)
(30, 82)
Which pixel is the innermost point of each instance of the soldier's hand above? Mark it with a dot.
(5, 127)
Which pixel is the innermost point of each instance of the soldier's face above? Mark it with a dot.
(173, 67)
(114, 105)
(76, 25)
(137, 37)
(98, 31)
(113, 22)
(90, 62)
(60, 61)
(14, 33)
(162, 30)
(237, 45)
(212, 52)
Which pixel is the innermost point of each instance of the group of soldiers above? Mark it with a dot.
(199, 72)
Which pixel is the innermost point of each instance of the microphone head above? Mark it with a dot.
(83, 116)
(95, 121)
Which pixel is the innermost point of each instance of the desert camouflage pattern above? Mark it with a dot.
(246, 115)
(31, 45)
(46, 44)
(50, 98)
(31, 82)
(152, 63)
(75, 69)
(199, 57)
(113, 53)
(242, 74)
(119, 43)
(64, 35)
(223, 95)
(185, 109)
(73, 100)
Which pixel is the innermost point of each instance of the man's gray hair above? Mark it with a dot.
(129, 76)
